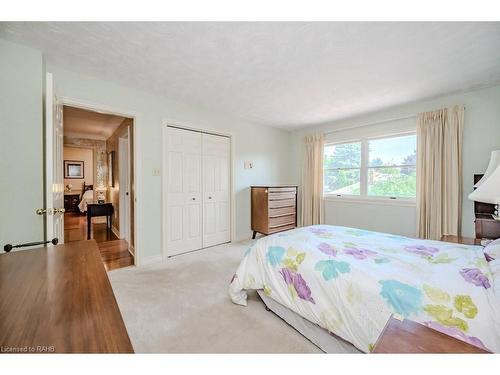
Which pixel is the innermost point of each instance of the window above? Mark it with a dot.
(342, 168)
(392, 167)
(380, 167)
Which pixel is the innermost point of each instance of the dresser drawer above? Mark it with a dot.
(280, 196)
(275, 212)
(281, 220)
(281, 229)
(282, 203)
(282, 190)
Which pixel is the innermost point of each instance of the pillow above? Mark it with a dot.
(492, 250)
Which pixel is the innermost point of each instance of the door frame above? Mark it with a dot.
(164, 181)
(139, 258)
(125, 221)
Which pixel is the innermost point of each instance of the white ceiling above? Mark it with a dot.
(81, 123)
(280, 74)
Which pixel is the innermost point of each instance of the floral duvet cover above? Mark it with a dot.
(349, 281)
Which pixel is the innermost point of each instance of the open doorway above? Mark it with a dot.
(99, 183)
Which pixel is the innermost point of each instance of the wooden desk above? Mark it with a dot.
(59, 300)
(99, 209)
(410, 337)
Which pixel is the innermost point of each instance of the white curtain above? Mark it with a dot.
(312, 181)
(439, 172)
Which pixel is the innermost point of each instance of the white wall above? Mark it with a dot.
(267, 147)
(21, 144)
(481, 136)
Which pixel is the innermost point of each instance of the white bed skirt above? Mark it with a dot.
(317, 335)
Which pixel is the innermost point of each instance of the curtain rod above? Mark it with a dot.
(371, 123)
(374, 123)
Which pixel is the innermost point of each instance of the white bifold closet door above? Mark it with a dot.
(216, 193)
(198, 195)
(184, 197)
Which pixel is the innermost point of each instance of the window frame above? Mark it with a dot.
(364, 168)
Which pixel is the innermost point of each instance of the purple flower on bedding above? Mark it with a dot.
(303, 291)
(295, 280)
(317, 230)
(327, 249)
(456, 333)
(427, 251)
(476, 277)
(359, 253)
(488, 257)
(287, 275)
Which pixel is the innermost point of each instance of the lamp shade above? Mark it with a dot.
(494, 163)
(489, 190)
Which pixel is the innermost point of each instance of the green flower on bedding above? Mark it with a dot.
(440, 259)
(267, 291)
(480, 262)
(290, 264)
(444, 315)
(382, 260)
(435, 294)
(330, 269)
(293, 259)
(331, 319)
(466, 306)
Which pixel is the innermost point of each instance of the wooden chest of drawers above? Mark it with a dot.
(274, 209)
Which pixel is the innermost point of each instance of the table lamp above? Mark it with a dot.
(100, 194)
(494, 163)
(488, 188)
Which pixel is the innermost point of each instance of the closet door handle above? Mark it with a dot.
(209, 197)
(193, 199)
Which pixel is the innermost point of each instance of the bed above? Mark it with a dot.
(86, 198)
(349, 282)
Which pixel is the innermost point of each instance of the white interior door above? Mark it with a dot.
(124, 175)
(184, 198)
(54, 164)
(216, 190)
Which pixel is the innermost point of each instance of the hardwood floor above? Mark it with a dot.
(114, 252)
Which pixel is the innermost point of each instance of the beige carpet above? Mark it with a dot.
(183, 306)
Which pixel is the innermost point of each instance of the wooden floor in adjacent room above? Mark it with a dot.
(114, 252)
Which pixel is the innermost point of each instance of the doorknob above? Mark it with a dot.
(58, 211)
(41, 211)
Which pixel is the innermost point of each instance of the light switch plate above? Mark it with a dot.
(248, 165)
(156, 172)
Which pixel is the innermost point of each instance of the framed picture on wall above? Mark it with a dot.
(74, 169)
(111, 164)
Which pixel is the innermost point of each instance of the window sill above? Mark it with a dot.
(403, 202)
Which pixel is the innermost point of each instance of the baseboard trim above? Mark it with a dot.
(115, 231)
(151, 260)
